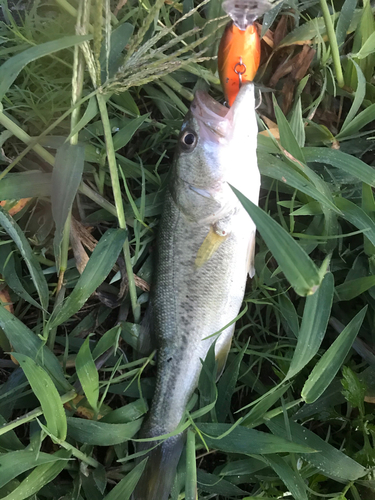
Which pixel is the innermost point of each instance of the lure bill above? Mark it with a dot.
(245, 12)
(239, 50)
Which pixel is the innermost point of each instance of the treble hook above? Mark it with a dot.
(240, 72)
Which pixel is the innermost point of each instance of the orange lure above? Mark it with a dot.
(238, 58)
(239, 50)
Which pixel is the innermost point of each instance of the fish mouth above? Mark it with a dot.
(216, 121)
(211, 115)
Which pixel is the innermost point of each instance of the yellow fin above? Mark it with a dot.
(209, 246)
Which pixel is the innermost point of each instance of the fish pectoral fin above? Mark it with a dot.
(209, 246)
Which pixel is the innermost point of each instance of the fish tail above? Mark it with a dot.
(157, 479)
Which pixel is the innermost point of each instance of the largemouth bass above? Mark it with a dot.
(205, 252)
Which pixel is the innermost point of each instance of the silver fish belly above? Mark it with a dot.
(205, 251)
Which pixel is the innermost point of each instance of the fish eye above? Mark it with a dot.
(188, 140)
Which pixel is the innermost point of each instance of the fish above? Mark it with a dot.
(205, 252)
(239, 49)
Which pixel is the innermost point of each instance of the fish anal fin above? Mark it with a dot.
(211, 243)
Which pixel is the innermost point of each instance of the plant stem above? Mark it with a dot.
(77, 87)
(333, 43)
(99, 200)
(64, 252)
(36, 140)
(31, 415)
(47, 157)
(24, 137)
(73, 12)
(191, 468)
(75, 452)
(118, 202)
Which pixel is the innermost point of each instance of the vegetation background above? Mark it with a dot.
(93, 96)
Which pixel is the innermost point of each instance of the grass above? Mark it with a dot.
(86, 141)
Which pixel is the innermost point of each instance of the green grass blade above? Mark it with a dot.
(227, 384)
(287, 137)
(247, 441)
(291, 478)
(367, 48)
(275, 168)
(330, 461)
(39, 477)
(361, 120)
(307, 31)
(356, 216)
(314, 324)
(9, 440)
(97, 269)
(328, 21)
(289, 312)
(26, 342)
(207, 382)
(91, 111)
(66, 178)
(45, 390)
(348, 163)
(368, 206)
(312, 29)
(242, 467)
(8, 270)
(125, 134)
(33, 265)
(358, 98)
(11, 68)
(329, 364)
(297, 125)
(88, 374)
(100, 433)
(218, 486)
(118, 41)
(108, 340)
(127, 413)
(297, 266)
(126, 486)
(191, 467)
(14, 463)
(366, 29)
(269, 18)
(25, 185)
(256, 414)
(350, 289)
(344, 20)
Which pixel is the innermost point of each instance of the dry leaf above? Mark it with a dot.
(13, 208)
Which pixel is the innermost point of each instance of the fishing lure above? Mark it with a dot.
(239, 50)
